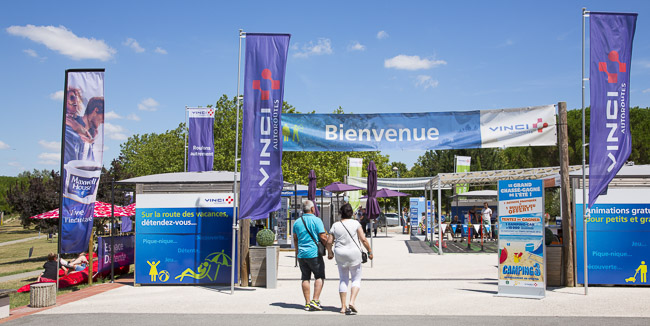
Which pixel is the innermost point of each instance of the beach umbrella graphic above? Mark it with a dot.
(219, 258)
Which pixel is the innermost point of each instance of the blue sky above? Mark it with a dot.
(365, 56)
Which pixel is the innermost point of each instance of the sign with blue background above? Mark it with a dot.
(521, 239)
(618, 234)
(417, 207)
(184, 239)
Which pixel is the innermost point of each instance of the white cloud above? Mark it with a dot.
(148, 104)
(160, 50)
(111, 115)
(115, 132)
(57, 96)
(507, 42)
(414, 62)
(133, 117)
(382, 35)
(16, 165)
(65, 42)
(646, 90)
(3, 145)
(31, 53)
(425, 82)
(356, 46)
(322, 46)
(49, 158)
(133, 44)
(51, 145)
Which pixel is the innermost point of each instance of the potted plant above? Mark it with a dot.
(264, 260)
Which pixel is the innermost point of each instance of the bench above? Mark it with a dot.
(4, 302)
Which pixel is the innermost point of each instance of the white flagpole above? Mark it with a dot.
(585, 14)
(235, 226)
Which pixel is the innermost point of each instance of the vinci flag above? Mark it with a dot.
(83, 147)
(201, 140)
(462, 165)
(611, 37)
(261, 157)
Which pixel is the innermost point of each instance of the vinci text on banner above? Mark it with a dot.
(530, 126)
(610, 140)
(83, 141)
(261, 157)
(201, 139)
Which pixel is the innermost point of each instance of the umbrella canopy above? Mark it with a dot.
(372, 206)
(102, 209)
(385, 192)
(340, 187)
(129, 210)
(311, 190)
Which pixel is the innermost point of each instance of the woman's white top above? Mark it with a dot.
(346, 252)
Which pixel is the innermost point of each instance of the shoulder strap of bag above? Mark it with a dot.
(346, 229)
(306, 228)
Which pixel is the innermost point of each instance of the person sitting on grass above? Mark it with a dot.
(51, 268)
(79, 264)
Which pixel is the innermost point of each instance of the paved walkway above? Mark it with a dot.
(6, 243)
(401, 286)
(21, 276)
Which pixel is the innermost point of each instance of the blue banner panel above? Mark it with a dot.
(124, 248)
(618, 236)
(83, 148)
(610, 140)
(261, 157)
(184, 259)
(184, 238)
(201, 140)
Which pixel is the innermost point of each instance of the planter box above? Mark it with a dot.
(554, 265)
(264, 266)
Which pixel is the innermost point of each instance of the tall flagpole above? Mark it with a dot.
(585, 14)
(235, 226)
(186, 130)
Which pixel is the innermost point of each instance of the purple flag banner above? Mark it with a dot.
(82, 151)
(201, 140)
(261, 157)
(124, 248)
(610, 37)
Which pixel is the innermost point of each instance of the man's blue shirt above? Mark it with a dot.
(306, 246)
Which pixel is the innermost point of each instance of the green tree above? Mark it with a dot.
(35, 193)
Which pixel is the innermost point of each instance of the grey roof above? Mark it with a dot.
(185, 177)
(446, 180)
(627, 176)
(478, 194)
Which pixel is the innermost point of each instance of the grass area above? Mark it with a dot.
(15, 258)
(12, 230)
(22, 299)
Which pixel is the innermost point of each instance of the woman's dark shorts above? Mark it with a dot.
(314, 265)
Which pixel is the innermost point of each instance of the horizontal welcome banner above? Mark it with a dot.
(530, 126)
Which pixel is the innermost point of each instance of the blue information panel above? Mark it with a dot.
(417, 208)
(521, 238)
(184, 239)
(618, 234)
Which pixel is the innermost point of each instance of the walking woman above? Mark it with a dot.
(347, 236)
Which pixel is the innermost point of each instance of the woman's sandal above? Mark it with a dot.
(353, 310)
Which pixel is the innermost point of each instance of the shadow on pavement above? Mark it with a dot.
(301, 307)
(480, 291)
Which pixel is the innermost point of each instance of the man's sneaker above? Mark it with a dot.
(307, 307)
(315, 305)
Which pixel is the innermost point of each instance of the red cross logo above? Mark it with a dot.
(612, 78)
(539, 125)
(229, 200)
(275, 84)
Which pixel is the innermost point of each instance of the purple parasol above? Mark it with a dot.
(372, 206)
(385, 192)
(311, 190)
(340, 187)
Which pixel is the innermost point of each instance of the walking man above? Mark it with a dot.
(486, 214)
(306, 231)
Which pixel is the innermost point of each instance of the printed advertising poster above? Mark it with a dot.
(521, 238)
(124, 251)
(184, 239)
(416, 205)
(618, 235)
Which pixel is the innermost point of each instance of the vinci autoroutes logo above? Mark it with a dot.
(228, 200)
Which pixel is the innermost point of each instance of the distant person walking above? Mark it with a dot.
(346, 235)
(306, 231)
(486, 214)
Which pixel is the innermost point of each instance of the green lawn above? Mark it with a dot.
(12, 230)
(15, 258)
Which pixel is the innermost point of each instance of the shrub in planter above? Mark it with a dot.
(265, 237)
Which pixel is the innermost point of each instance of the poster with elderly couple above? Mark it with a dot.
(83, 147)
